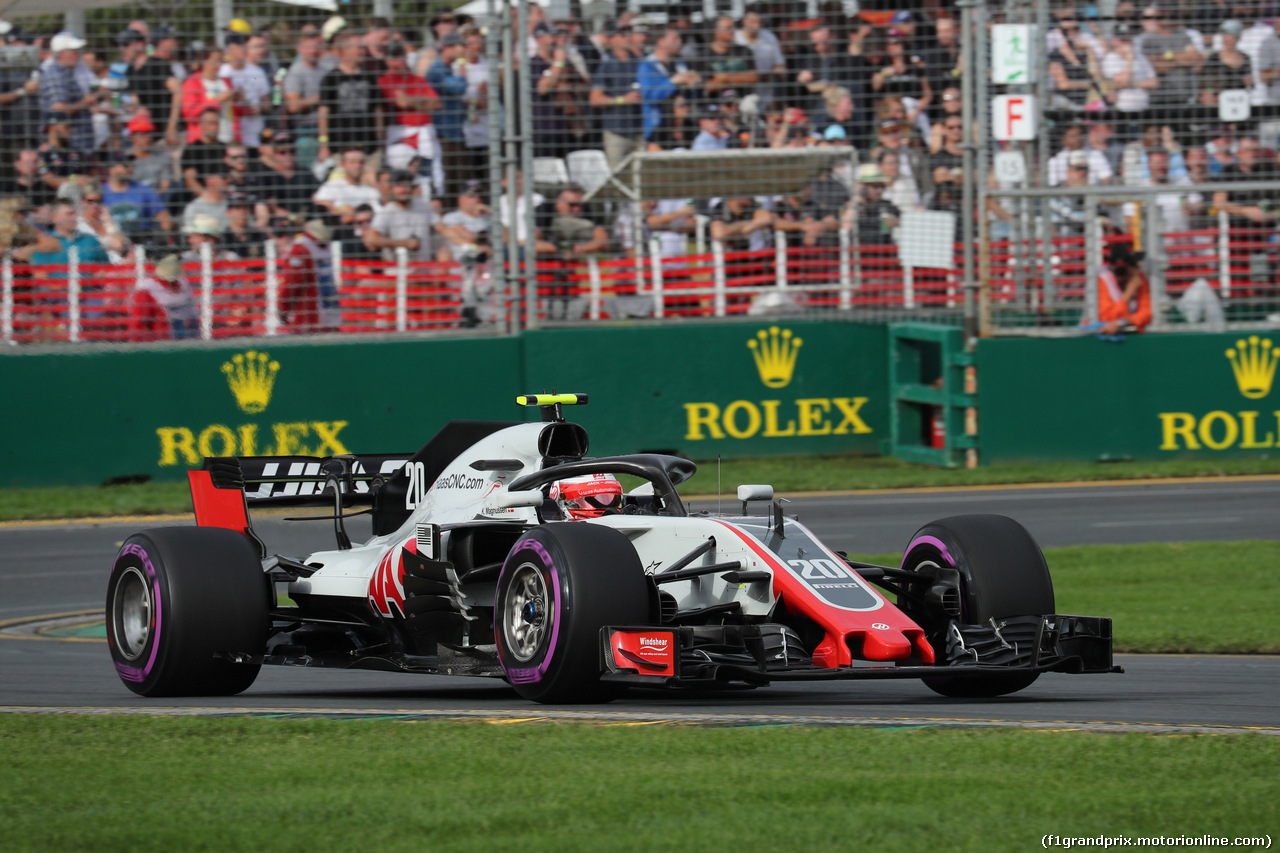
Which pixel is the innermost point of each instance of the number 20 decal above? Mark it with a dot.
(417, 484)
(818, 570)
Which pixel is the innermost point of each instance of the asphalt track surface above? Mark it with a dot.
(61, 568)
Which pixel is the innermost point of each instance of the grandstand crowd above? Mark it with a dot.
(168, 142)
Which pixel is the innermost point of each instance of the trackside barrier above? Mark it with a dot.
(79, 302)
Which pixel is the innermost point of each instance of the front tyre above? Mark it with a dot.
(177, 599)
(561, 583)
(1002, 573)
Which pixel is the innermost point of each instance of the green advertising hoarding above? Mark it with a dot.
(1148, 397)
(89, 415)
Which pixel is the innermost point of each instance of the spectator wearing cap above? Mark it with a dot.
(287, 189)
(467, 228)
(64, 94)
(136, 207)
(1100, 171)
(405, 222)
(877, 217)
(242, 236)
(20, 114)
(251, 86)
(1175, 58)
(450, 85)
(302, 97)
(904, 75)
(207, 91)
(346, 188)
(771, 64)
(350, 103)
(59, 161)
(1124, 294)
(891, 136)
(212, 200)
(152, 82)
(711, 132)
(410, 102)
(662, 76)
(723, 63)
(206, 230)
(162, 306)
(615, 93)
(204, 152)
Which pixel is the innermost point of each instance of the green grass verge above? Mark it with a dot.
(785, 473)
(252, 784)
(1215, 597)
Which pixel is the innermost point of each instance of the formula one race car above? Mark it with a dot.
(502, 549)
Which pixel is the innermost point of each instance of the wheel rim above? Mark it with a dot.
(528, 618)
(131, 610)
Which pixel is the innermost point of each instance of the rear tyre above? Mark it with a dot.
(561, 583)
(177, 597)
(1002, 573)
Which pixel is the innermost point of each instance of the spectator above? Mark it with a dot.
(1221, 148)
(350, 236)
(724, 63)
(467, 228)
(947, 166)
(911, 162)
(1267, 67)
(404, 223)
(1251, 40)
(302, 97)
(801, 219)
(1128, 73)
(900, 190)
(1227, 67)
(346, 188)
(151, 166)
(827, 68)
(308, 293)
(241, 236)
(59, 162)
(165, 41)
(20, 113)
(251, 88)
(1134, 159)
(475, 102)
(741, 223)
(410, 101)
(162, 306)
(377, 38)
(1072, 66)
(615, 92)
(906, 76)
(64, 94)
(678, 129)
(204, 92)
(27, 181)
(1100, 139)
(877, 218)
(286, 189)
(1176, 206)
(661, 78)
(564, 230)
(1124, 295)
(942, 57)
(258, 52)
(671, 221)
(450, 86)
(1174, 57)
(205, 152)
(711, 133)
(837, 114)
(239, 176)
(206, 230)
(135, 207)
(771, 65)
(951, 106)
(350, 114)
(1073, 140)
(66, 231)
(211, 203)
(1069, 211)
(96, 220)
(1248, 208)
(552, 74)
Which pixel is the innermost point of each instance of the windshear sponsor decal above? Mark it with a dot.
(648, 652)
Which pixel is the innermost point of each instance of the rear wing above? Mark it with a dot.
(301, 480)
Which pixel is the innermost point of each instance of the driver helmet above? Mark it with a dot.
(587, 497)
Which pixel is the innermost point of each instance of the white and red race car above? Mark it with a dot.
(501, 549)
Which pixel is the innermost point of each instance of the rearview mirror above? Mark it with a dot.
(512, 500)
(755, 493)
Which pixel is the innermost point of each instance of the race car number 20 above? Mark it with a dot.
(417, 484)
